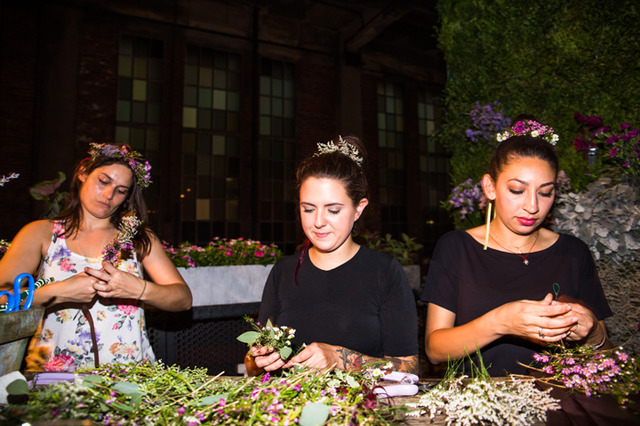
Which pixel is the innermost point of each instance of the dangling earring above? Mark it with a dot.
(486, 234)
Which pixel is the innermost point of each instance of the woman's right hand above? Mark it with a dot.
(75, 289)
(266, 358)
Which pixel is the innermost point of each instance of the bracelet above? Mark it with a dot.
(143, 289)
(604, 339)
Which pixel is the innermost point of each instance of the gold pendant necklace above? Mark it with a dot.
(523, 256)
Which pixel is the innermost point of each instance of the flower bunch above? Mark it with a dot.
(466, 199)
(128, 228)
(482, 400)
(590, 371)
(140, 167)
(621, 147)
(269, 335)
(531, 128)
(486, 121)
(155, 394)
(4, 246)
(222, 252)
(4, 179)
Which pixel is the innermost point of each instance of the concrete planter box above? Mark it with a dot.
(226, 285)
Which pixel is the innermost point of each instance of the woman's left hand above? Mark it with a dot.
(317, 355)
(586, 325)
(115, 283)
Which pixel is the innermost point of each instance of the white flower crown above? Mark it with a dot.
(343, 147)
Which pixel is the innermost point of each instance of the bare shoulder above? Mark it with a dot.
(38, 230)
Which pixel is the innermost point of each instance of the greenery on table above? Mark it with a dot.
(160, 395)
(548, 59)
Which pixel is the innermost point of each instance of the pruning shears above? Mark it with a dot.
(13, 299)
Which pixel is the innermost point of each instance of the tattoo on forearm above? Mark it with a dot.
(353, 360)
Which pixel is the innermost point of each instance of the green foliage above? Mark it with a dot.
(405, 250)
(547, 59)
(48, 191)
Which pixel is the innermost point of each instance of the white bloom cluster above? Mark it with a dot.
(5, 179)
(467, 401)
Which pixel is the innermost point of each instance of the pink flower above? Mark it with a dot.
(59, 363)
(66, 265)
(127, 309)
(259, 254)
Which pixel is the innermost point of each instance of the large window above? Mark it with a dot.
(210, 145)
(139, 104)
(391, 151)
(434, 169)
(277, 220)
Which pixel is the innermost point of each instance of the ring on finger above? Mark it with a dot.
(541, 332)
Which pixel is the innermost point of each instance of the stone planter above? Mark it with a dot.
(16, 328)
(226, 285)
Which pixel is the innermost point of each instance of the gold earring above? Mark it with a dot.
(486, 233)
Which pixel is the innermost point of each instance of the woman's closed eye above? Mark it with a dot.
(334, 211)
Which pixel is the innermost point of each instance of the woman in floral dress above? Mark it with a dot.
(93, 254)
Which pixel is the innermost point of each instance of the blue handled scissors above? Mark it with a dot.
(13, 299)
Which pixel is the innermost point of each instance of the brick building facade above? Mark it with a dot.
(224, 98)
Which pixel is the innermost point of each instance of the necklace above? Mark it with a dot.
(86, 258)
(523, 256)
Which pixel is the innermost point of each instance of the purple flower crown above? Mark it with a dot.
(140, 167)
(530, 128)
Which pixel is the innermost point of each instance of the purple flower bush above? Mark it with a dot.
(487, 120)
(466, 198)
(621, 148)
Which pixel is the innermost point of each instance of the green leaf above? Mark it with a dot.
(248, 337)
(121, 406)
(285, 352)
(126, 388)
(136, 399)
(315, 413)
(92, 379)
(212, 399)
(352, 382)
(18, 387)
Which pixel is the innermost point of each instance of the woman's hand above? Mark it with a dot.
(587, 329)
(76, 289)
(543, 321)
(317, 355)
(114, 283)
(266, 358)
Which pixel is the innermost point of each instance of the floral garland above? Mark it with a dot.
(141, 168)
(531, 128)
(128, 228)
(343, 147)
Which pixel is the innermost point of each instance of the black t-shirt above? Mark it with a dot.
(469, 281)
(365, 304)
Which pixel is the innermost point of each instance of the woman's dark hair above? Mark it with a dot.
(339, 166)
(134, 203)
(522, 146)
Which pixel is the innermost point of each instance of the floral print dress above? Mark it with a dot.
(63, 341)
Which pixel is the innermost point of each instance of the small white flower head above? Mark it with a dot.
(343, 147)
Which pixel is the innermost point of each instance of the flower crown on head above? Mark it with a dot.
(141, 168)
(531, 128)
(343, 147)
